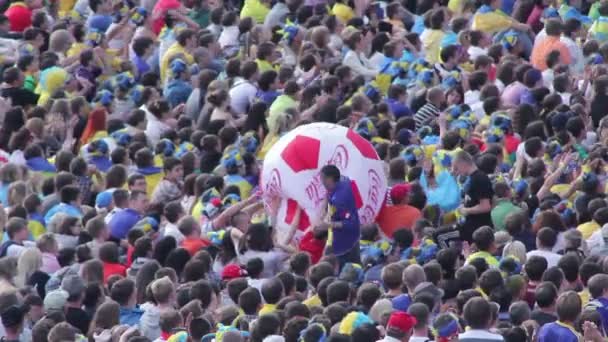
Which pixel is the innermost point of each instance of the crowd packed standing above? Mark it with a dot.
(133, 133)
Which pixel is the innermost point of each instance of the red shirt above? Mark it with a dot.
(393, 217)
(194, 245)
(130, 250)
(19, 16)
(110, 269)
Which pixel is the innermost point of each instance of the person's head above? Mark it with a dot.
(483, 238)
(421, 312)
(299, 263)
(546, 238)
(108, 253)
(338, 291)
(587, 270)
(392, 276)
(598, 286)
(555, 275)
(137, 181)
(250, 300)
(163, 291)
(272, 290)
(519, 312)
(477, 313)
(490, 280)
(70, 195)
(106, 317)
(138, 201)
(330, 176)
(546, 295)
(16, 229)
(174, 170)
(123, 292)
(569, 307)
(463, 164)
(553, 27)
(170, 320)
(62, 332)
(413, 275)
(189, 227)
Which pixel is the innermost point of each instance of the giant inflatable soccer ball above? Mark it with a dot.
(291, 173)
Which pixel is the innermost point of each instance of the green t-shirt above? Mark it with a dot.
(200, 16)
(500, 212)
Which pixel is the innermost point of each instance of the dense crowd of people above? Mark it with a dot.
(133, 134)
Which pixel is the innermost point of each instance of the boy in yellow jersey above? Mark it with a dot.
(186, 42)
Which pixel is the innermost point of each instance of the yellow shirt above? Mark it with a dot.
(264, 66)
(268, 308)
(343, 12)
(313, 301)
(585, 296)
(455, 6)
(66, 6)
(152, 181)
(490, 259)
(76, 49)
(256, 10)
(491, 22)
(588, 228)
(431, 42)
(174, 50)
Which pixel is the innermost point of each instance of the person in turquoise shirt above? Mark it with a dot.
(503, 207)
(70, 204)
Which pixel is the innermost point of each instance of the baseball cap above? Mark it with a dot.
(401, 321)
(13, 316)
(103, 200)
(402, 302)
(73, 285)
(399, 192)
(380, 308)
(55, 300)
(232, 271)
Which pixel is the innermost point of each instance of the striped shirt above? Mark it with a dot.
(425, 114)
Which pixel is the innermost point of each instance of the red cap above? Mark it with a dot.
(399, 192)
(401, 321)
(232, 271)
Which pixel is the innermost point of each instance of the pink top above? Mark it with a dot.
(50, 264)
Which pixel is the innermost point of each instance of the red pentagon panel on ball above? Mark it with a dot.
(364, 146)
(356, 194)
(302, 153)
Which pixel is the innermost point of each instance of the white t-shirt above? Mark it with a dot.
(242, 95)
(171, 230)
(552, 258)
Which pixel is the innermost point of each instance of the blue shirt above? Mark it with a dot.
(398, 109)
(141, 65)
(558, 332)
(177, 92)
(122, 222)
(129, 316)
(65, 208)
(344, 209)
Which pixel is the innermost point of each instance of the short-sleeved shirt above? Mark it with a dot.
(545, 46)
(476, 188)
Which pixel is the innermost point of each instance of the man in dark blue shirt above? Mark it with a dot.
(343, 225)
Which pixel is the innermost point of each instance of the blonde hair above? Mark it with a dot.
(47, 243)
(515, 249)
(17, 192)
(29, 262)
(60, 41)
